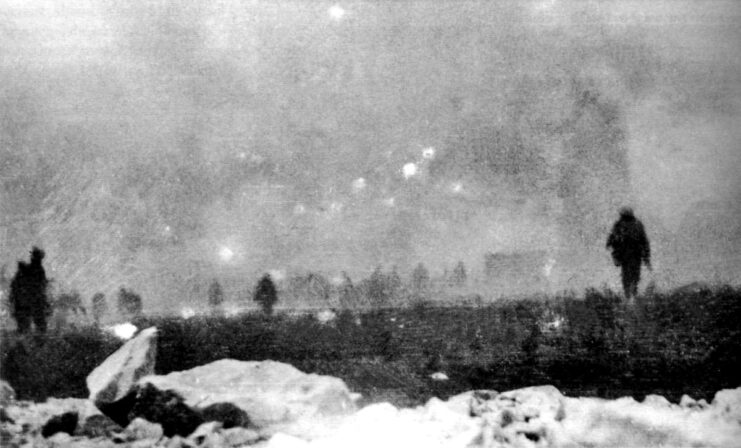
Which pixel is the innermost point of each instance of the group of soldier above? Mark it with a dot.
(29, 299)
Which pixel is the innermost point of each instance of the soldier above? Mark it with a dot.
(28, 293)
(630, 247)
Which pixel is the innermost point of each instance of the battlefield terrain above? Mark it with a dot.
(685, 341)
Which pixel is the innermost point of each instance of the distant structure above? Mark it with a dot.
(28, 294)
(630, 248)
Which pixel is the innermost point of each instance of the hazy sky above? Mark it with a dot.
(148, 143)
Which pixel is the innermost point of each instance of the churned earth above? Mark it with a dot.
(231, 403)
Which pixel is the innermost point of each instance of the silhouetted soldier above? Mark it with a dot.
(265, 294)
(28, 297)
(630, 247)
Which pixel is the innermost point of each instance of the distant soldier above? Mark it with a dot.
(630, 247)
(28, 294)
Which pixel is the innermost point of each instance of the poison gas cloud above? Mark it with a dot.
(139, 141)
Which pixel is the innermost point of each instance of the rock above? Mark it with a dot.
(240, 436)
(227, 414)
(166, 408)
(60, 439)
(473, 403)
(523, 417)
(140, 429)
(112, 382)
(175, 442)
(31, 417)
(7, 394)
(275, 397)
(66, 423)
(203, 431)
(4, 417)
(99, 425)
(7, 436)
(213, 440)
(625, 422)
(688, 402)
(285, 441)
(727, 404)
(657, 400)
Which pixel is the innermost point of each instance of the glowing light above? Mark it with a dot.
(336, 12)
(123, 331)
(326, 316)
(390, 202)
(457, 187)
(439, 376)
(409, 170)
(242, 155)
(299, 209)
(226, 254)
(358, 185)
(187, 313)
(428, 153)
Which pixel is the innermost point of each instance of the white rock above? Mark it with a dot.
(140, 429)
(281, 440)
(625, 422)
(240, 436)
(7, 394)
(276, 397)
(204, 431)
(118, 374)
(727, 404)
(657, 400)
(690, 403)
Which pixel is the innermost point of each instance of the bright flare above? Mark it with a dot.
(226, 254)
(358, 185)
(123, 331)
(187, 312)
(336, 12)
(457, 187)
(428, 153)
(409, 170)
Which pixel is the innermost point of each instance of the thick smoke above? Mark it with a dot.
(138, 141)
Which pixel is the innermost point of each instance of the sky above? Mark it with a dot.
(157, 144)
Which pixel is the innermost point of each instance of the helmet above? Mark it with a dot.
(626, 212)
(37, 253)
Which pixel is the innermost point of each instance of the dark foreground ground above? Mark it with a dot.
(684, 342)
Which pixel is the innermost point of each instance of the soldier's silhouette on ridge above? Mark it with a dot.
(28, 294)
(630, 248)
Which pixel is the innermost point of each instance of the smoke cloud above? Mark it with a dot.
(139, 140)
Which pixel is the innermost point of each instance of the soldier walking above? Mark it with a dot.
(630, 248)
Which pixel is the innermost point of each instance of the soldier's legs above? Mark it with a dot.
(631, 277)
(39, 320)
(24, 322)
